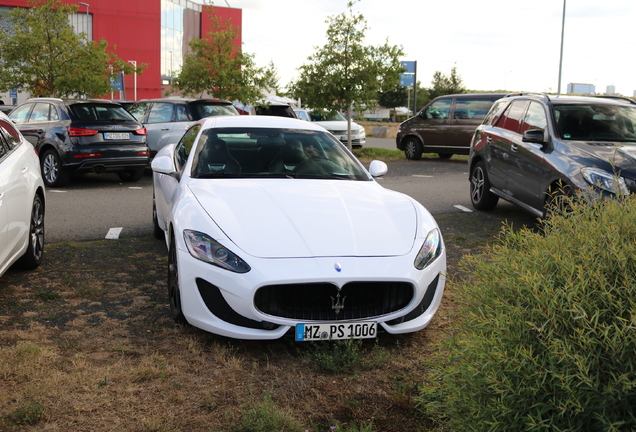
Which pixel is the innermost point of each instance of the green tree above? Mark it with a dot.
(446, 84)
(345, 74)
(42, 55)
(393, 98)
(218, 67)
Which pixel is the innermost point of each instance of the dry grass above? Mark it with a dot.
(86, 343)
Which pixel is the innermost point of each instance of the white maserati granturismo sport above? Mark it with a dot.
(273, 227)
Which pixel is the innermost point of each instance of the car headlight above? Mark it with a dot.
(205, 248)
(431, 249)
(606, 181)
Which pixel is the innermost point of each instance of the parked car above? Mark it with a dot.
(22, 200)
(272, 226)
(533, 148)
(166, 119)
(79, 136)
(445, 125)
(336, 124)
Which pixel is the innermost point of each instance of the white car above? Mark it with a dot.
(337, 125)
(22, 200)
(273, 227)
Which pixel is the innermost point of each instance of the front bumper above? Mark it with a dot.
(278, 294)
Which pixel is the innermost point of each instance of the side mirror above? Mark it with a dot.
(378, 168)
(534, 136)
(163, 164)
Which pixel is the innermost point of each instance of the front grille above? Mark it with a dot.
(320, 301)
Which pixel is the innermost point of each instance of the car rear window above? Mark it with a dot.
(97, 112)
(202, 110)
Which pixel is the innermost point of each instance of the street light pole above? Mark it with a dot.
(561, 57)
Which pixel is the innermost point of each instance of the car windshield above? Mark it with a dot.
(316, 116)
(596, 122)
(273, 153)
(104, 112)
(202, 110)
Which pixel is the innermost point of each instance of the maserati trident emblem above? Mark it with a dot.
(338, 267)
(337, 303)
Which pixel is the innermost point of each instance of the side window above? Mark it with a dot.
(160, 113)
(4, 149)
(495, 112)
(438, 110)
(535, 118)
(12, 136)
(21, 113)
(40, 113)
(511, 118)
(138, 110)
(183, 149)
(471, 108)
(180, 113)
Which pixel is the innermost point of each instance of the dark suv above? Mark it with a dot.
(167, 119)
(532, 148)
(445, 125)
(74, 136)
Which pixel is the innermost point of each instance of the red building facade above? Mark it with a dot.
(134, 30)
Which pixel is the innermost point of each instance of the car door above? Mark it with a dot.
(500, 142)
(467, 114)
(35, 120)
(432, 124)
(527, 170)
(15, 202)
(159, 123)
(166, 185)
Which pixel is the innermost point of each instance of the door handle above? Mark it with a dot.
(165, 128)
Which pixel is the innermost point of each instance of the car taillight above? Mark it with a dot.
(87, 155)
(141, 131)
(143, 153)
(77, 132)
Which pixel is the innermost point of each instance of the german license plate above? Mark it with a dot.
(116, 135)
(336, 331)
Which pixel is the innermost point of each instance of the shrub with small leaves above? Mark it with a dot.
(546, 338)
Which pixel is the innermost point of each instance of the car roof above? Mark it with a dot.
(182, 99)
(573, 99)
(258, 122)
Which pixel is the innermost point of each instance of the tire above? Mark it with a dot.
(35, 250)
(131, 175)
(480, 194)
(557, 201)
(174, 291)
(412, 148)
(53, 173)
(157, 231)
(445, 155)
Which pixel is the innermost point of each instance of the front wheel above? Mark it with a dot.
(480, 194)
(412, 148)
(174, 291)
(53, 173)
(35, 250)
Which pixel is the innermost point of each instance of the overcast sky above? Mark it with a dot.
(495, 44)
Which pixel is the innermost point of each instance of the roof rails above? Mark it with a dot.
(528, 93)
(623, 98)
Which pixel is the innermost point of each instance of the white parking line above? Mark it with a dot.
(113, 233)
(462, 208)
(56, 191)
(135, 187)
(422, 176)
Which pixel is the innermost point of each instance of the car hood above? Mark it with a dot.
(337, 125)
(621, 156)
(283, 218)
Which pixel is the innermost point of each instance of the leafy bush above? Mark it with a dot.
(546, 338)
